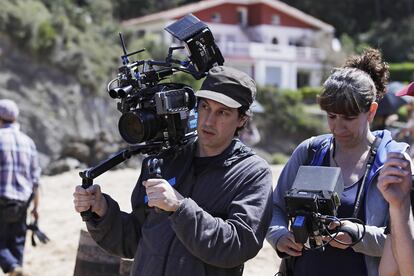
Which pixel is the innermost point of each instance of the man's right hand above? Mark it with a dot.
(287, 244)
(90, 198)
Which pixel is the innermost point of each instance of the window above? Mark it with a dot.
(273, 76)
(296, 42)
(242, 15)
(216, 17)
(303, 78)
(275, 19)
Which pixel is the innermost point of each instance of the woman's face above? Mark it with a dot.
(349, 131)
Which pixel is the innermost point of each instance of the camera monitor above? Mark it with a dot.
(199, 41)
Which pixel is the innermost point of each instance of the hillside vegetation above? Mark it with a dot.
(57, 57)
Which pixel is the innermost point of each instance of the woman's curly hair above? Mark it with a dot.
(352, 88)
(371, 62)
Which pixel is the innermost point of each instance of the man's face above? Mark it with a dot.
(216, 125)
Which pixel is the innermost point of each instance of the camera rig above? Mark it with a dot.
(153, 111)
(312, 204)
(158, 116)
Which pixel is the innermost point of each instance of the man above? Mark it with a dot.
(395, 184)
(19, 182)
(216, 204)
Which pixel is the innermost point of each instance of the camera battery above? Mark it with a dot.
(299, 229)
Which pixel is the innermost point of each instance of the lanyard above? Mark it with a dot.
(371, 158)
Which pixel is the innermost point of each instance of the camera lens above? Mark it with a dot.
(139, 126)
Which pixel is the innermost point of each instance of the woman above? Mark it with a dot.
(349, 97)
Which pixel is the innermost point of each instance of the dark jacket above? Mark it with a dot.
(221, 224)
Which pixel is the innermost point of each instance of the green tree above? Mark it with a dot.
(285, 123)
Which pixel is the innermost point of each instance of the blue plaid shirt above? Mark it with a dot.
(19, 164)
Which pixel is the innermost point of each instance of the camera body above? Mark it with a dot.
(314, 193)
(163, 113)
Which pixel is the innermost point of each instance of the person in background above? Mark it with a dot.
(395, 184)
(408, 130)
(350, 98)
(250, 134)
(19, 182)
(215, 195)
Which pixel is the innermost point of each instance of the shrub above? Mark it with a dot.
(46, 36)
(310, 94)
(285, 121)
(402, 71)
(279, 158)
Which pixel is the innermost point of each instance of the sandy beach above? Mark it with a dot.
(62, 224)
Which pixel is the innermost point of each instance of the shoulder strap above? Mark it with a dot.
(370, 161)
(318, 148)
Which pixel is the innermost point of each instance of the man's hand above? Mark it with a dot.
(162, 195)
(287, 244)
(395, 181)
(90, 197)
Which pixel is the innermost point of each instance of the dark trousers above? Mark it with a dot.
(12, 239)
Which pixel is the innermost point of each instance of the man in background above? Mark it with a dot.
(19, 181)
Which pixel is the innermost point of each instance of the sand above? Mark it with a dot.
(62, 224)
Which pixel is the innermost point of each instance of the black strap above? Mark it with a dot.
(371, 158)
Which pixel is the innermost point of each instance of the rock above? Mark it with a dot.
(54, 107)
(62, 165)
(77, 150)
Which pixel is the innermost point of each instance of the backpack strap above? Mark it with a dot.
(318, 148)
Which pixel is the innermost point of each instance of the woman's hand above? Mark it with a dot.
(341, 236)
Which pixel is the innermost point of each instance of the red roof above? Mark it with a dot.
(290, 15)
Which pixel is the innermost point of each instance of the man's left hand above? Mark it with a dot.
(162, 195)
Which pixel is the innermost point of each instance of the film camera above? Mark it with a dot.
(162, 113)
(312, 201)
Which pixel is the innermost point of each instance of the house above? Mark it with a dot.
(273, 42)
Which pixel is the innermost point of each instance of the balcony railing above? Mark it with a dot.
(271, 52)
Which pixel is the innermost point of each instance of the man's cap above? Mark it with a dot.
(406, 91)
(8, 110)
(228, 86)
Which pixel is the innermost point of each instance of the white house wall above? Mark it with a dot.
(251, 51)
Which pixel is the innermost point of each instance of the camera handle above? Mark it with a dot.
(153, 165)
(89, 174)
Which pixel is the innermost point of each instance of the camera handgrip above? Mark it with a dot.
(154, 171)
(87, 215)
(350, 231)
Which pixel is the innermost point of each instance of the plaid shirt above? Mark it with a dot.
(19, 165)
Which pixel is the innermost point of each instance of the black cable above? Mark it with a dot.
(355, 220)
(324, 220)
(329, 219)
